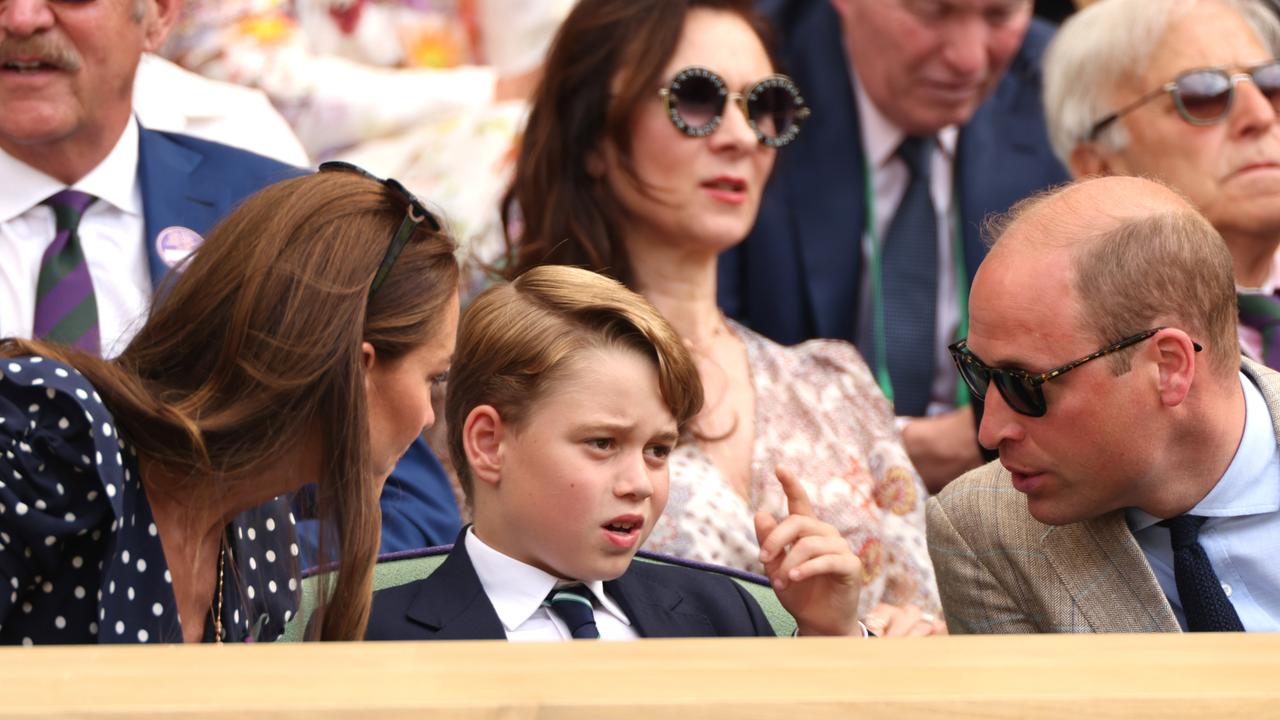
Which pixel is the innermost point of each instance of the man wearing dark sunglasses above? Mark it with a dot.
(1189, 95)
(1138, 486)
(851, 241)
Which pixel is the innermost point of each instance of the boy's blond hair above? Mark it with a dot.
(516, 339)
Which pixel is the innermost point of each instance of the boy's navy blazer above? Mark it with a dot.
(660, 601)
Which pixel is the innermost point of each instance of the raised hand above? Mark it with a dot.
(813, 571)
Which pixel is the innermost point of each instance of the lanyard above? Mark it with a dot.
(871, 238)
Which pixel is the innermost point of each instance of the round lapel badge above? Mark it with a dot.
(175, 243)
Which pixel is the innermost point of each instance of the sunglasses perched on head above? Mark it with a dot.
(1204, 96)
(415, 214)
(695, 102)
(1021, 390)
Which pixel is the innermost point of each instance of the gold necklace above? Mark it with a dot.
(217, 600)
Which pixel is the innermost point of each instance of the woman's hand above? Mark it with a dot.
(812, 569)
(903, 621)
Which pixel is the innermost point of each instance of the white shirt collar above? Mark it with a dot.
(1243, 488)
(114, 180)
(881, 138)
(516, 590)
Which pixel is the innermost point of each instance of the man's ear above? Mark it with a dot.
(483, 433)
(159, 18)
(1088, 159)
(1176, 362)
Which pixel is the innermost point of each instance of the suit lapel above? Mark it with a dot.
(452, 601)
(172, 193)
(826, 183)
(655, 609)
(1107, 575)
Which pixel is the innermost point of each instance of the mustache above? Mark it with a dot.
(42, 48)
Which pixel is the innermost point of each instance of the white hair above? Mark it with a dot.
(1109, 43)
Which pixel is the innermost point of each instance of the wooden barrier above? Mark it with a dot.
(1092, 677)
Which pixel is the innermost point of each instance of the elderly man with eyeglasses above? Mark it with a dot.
(1138, 486)
(1187, 92)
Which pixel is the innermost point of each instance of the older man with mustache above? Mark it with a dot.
(1187, 92)
(95, 208)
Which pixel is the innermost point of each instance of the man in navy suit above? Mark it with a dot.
(66, 122)
(962, 75)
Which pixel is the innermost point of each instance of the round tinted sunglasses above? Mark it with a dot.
(774, 107)
(1204, 96)
(1022, 391)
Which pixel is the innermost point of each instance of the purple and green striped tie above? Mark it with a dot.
(1262, 313)
(66, 310)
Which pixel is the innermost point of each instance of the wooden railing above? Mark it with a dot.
(1078, 677)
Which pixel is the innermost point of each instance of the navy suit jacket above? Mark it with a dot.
(194, 183)
(660, 601)
(797, 275)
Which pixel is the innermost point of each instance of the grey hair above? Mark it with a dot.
(1109, 43)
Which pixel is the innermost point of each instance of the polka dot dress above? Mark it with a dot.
(80, 555)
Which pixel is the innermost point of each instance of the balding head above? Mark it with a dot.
(1132, 254)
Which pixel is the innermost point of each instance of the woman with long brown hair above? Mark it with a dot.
(647, 147)
(142, 497)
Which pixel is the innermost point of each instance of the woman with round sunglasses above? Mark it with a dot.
(142, 498)
(648, 144)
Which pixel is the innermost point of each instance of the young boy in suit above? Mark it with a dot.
(567, 394)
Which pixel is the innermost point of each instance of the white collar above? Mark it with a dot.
(516, 590)
(114, 180)
(881, 138)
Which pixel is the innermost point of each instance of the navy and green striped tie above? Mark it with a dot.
(572, 604)
(66, 310)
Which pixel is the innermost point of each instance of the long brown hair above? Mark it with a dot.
(566, 215)
(255, 348)
(515, 339)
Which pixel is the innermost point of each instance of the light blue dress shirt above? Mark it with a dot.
(1242, 534)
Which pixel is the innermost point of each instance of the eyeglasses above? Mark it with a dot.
(773, 107)
(1020, 389)
(1204, 96)
(415, 215)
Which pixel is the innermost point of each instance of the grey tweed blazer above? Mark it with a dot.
(1001, 571)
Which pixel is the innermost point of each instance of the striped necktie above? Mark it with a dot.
(909, 276)
(1262, 313)
(66, 310)
(1204, 602)
(572, 604)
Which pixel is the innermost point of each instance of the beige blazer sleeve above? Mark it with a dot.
(973, 599)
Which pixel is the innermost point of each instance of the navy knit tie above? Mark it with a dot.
(1204, 602)
(909, 275)
(573, 605)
